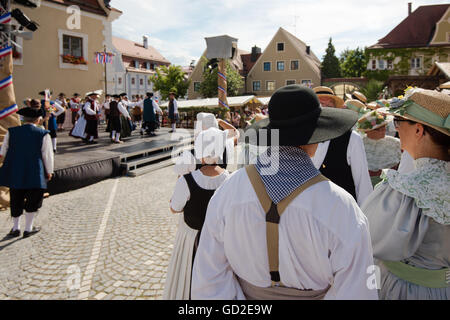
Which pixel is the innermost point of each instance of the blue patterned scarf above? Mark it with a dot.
(293, 170)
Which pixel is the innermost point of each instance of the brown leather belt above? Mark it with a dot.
(374, 173)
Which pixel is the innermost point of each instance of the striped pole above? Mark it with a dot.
(222, 84)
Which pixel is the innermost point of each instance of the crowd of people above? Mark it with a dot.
(340, 200)
(351, 201)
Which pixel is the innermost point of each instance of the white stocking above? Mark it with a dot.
(16, 223)
(29, 221)
(54, 143)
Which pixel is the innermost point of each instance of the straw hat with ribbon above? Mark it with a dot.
(373, 120)
(383, 103)
(356, 105)
(428, 107)
(328, 92)
(357, 96)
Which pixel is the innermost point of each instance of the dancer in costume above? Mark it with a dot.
(320, 246)
(409, 213)
(74, 104)
(62, 117)
(173, 111)
(191, 197)
(343, 159)
(150, 110)
(91, 114)
(116, 110)
(51, 115)
(125, 123)
(27, 167)
(383, 152)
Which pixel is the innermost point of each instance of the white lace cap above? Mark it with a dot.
(210, 145)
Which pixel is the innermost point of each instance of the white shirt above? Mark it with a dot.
(123, 110)
(46, 150)
(406, 163)
(323, 239)
(181, 194)
(59, 109)
(106, 105)
(356, 159)
(89, 110)
(73, 105)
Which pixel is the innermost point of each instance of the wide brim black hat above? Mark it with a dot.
(30, 112)
(115, 96)
(123, 94)
(42, 93)
(297, 118)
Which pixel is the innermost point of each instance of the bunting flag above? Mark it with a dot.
(104, 58)
(8, 111)
(5, 18)
(5, 51)
(6, 82)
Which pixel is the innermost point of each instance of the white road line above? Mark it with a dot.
(95, 253)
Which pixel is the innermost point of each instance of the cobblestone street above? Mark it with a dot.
(111, 240)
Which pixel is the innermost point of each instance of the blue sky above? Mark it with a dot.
(177, 28)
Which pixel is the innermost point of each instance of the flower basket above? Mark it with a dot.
(67, 58)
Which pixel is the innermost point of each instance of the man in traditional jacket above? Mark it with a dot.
(91, 113)
(150, 108)
(173, 111)
(319, 248)
(27, 167)
(343, 159)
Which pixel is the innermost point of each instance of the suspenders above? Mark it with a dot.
(273, 214)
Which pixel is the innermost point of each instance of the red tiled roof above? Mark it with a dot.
(135, 50)
(87, 5)
(248, 63)
(416, 30)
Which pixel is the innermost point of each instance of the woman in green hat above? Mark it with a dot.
(409, 213)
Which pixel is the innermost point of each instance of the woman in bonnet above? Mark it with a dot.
(409, 213)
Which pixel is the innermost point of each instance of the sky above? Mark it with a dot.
(177, 28)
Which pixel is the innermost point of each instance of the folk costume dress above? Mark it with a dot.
(381, 154)
(323, 235)
(409, 219)
(125, 131)
(192, 194)
(90, 111)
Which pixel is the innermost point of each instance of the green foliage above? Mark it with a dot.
(208, 87)
(372, 90)
(330, 63)
(353, 63)
(169, 79)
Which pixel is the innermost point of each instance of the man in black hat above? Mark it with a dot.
(27, 167)
(319, 248)
(91, 114)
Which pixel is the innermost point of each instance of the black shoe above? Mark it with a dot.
(13, 234)
(171, 131)
(92, 142)
(27, 234)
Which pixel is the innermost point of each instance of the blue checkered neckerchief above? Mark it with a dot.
(295, 168)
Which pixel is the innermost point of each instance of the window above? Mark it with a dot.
(294, 65)
(147, 65)
(416, 63)
(119, 80)
(270, 85)
(197, 86)
(288, 82)
(390, 65)
(280, 65)
(133, 81)
(374, 64)
(267, 66)
(307, 83)
(141, 82)
(256, 85)
(152, 66)
(381, 65)
(72, 46)
(136, 64)
(280, 46)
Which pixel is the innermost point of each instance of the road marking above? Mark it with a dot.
(95, 253)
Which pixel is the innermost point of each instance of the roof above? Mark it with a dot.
(438, 67)
(416, 30)
(248, 63)
(132, 49)
(92, 6)
(214, 102)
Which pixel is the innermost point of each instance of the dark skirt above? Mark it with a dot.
(61, 118)
(126, 130)
(114, 124)
(92, 128)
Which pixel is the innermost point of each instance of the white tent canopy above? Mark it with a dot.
(214, 102)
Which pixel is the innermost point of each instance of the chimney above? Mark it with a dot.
(255, 52)
(409, 8)
(308, 50)
(146, 42)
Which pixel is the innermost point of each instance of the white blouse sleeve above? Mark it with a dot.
(123, 110)
(180, 195)
(357, 160)
(88, 109)
(60, 109)
(5, 145)
(47, 154)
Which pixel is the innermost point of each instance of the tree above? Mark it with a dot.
(373, 90)
(208, 88)
(171, 78)
(353, 62)
(330, 63)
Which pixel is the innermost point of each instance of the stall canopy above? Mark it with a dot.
(213, 102)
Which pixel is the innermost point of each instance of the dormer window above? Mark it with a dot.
(147, 65)
(136, 64)
(280, 46)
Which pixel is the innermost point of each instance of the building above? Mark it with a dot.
(61, 54)
(137, 63)
(414, 45)
(286, 60)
